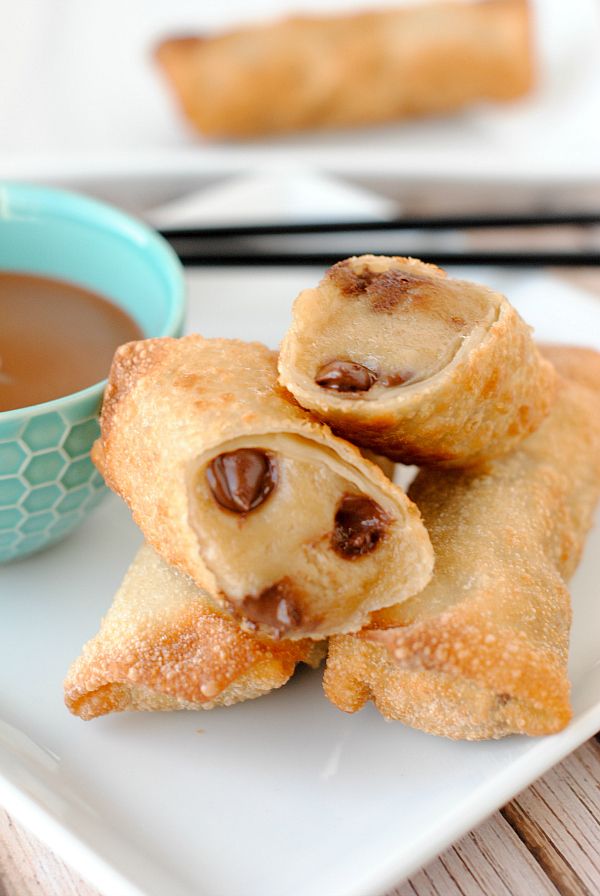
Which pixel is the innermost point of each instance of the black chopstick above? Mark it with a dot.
(325, 259)
(451, 222)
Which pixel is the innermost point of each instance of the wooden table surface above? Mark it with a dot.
(543, 843)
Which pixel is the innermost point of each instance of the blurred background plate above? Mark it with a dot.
(81, 102)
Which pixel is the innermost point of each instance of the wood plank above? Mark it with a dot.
(491, 861)
(558, 817)
(27, 868)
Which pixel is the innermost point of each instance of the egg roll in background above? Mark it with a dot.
(165, 644)
(482, 651)
(354, 69)
(285, 525)
(423, 368)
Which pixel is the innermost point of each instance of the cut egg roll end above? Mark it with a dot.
(287, 526)
(422, 368)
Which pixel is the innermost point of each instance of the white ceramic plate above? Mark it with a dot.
(283, 796)
(80, 98)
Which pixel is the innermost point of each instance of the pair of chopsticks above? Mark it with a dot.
(211, 246)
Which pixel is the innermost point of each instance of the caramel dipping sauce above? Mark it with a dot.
(55, 338)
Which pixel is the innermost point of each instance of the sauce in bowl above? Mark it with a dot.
(55, 338)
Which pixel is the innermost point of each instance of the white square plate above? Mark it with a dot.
(283, 796)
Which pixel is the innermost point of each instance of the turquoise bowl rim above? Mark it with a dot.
(52, 202)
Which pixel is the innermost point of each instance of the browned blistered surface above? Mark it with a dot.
(172, 405)
(482, 651)
(473, 382)
(357, 69)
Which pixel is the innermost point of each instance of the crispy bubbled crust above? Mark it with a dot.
(483, 650)
(165, 645)
(360, 68)
(169, 401)
(442, 703)
(493, 394)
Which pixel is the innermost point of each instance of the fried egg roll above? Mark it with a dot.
(420, 367)
(482, 651)
(287, 526)
(357, 69)
(165, 644)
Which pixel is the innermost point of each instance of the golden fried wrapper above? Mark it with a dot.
(164, 644)
(482, 651)
(355, 69)
(284, 524)
(417, 366)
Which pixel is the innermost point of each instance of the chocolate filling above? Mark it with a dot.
(348, 281)
(393, 288)
(384, 289)
(396, 379)
(241, 480)
(350, 376)
(276, 606)
(345, 376)
(359, 526)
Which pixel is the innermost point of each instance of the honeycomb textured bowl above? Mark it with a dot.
(48, 483)
(47, 480)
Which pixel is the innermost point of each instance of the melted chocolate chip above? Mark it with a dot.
(345, 376)
(396, 379)
(359, 526)
(276, 606)
(349, 281)
(386, 290)
(393, 288)
(241, 480)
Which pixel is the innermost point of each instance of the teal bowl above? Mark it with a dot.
(48, 483)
